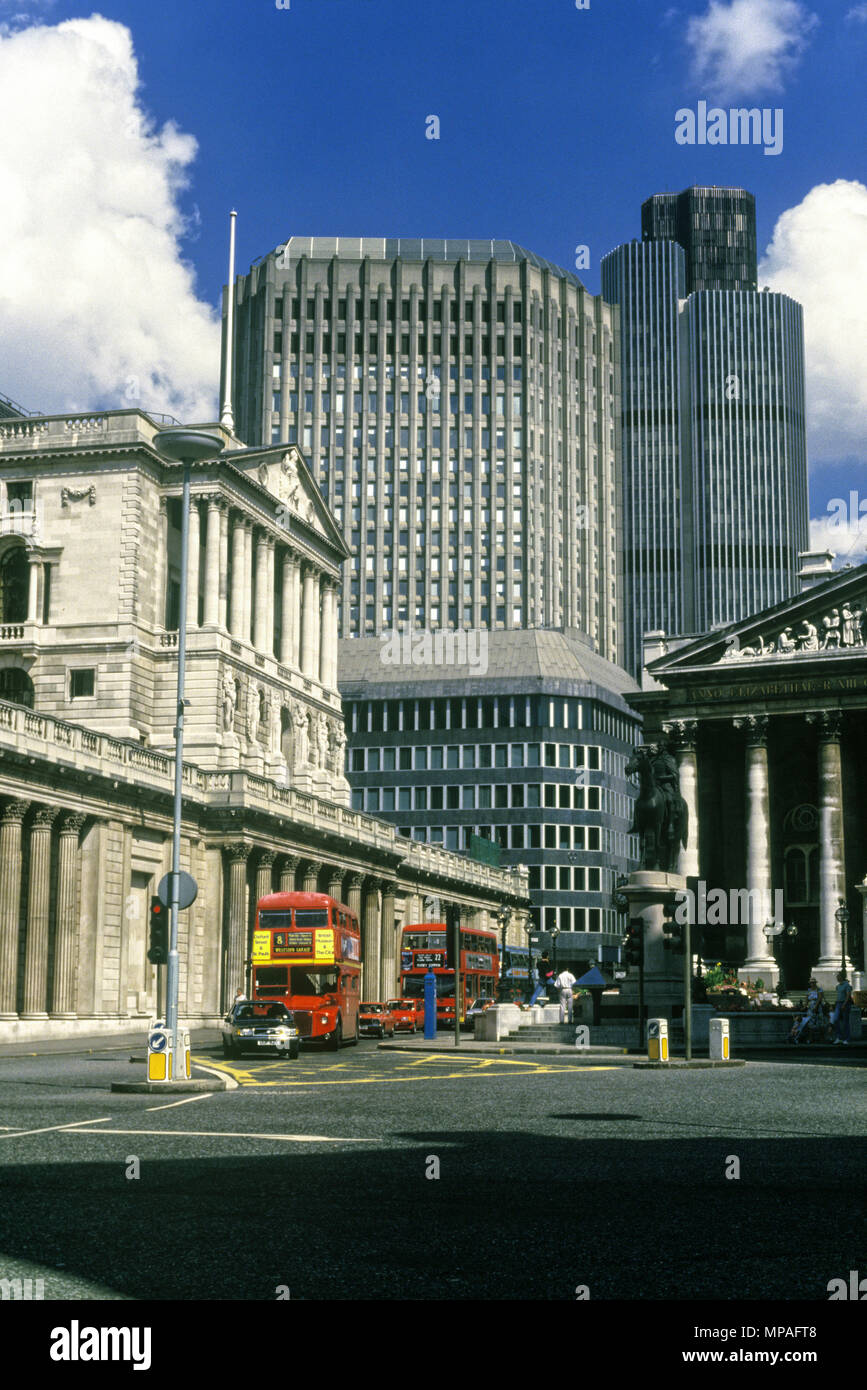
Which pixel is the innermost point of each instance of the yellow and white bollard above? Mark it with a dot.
(159, 1053)
(719, 1040)
(182, 1054)
(657, 1039)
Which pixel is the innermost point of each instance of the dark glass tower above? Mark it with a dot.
(716, 228)
(714, 484)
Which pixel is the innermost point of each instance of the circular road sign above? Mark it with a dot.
(187, 890)
(157, 1042)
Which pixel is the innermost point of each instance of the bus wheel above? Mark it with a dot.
(336, 1038)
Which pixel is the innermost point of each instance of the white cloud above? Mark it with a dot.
(818, 255)
(848, 542)
(746, 47)
(858, 13)
(97, 306)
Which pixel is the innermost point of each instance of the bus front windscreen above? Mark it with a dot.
(413, 986)
(306, 980)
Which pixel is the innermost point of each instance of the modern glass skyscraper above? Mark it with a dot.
(716, 228)
(456, 402)
(713, 435)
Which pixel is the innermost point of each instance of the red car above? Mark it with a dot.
(405, 1014)
(376, 1019)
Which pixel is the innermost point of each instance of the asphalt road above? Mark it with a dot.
(317, 1177)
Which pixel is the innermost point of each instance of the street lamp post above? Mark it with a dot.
(186, 447)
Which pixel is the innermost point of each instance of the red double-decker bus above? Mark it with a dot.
(307, 955)
(430, 946)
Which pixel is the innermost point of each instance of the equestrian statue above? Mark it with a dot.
(661, 817)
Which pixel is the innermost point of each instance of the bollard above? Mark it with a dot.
(160, 1047)
(718, 1038)
(430, 1005)
(182, 1054)
(657, 1039)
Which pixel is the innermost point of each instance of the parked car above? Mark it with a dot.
(253, 1025)
(475, 1010)
(405, 1016)
(375, 1019)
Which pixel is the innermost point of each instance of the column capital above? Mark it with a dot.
(238, 851)
(45, 816)
(374, 884)
(267, 858)
(309, 867)
(335, 873)
(682, 733)
(828, 722)
(755, 726)
(355, 880)
(13, 812)
(389, 887)
(71, 824)
(289, 863)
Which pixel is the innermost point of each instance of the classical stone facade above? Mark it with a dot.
(89, 582)
(768, 720)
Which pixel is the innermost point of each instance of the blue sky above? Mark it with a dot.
(555, 124)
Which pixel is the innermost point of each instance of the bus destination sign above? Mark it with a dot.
(427, 960)
(296, 943)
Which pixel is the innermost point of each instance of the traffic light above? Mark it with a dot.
(633, 945)
(158, 950)
(672, 930)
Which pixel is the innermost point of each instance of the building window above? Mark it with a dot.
(81, 683)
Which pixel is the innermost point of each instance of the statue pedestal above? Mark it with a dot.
(648, 890)
(230, 751)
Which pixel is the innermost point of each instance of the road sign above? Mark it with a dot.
(157, 1041)
(187, 890)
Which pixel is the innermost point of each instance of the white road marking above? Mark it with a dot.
(232, 1134)
(186, 1101)
(75, 1124)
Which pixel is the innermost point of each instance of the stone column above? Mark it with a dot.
(38, 910)
(236, 946)
(269, 596)
(12, 815)
(223, 589)
(236, 612)
(260, 615)
(388, 968)
(193, 565)
(212, 563)
(309, 873)
(247, 600)
(758, 847)
(161, 564)
(370, 940)
(353, 894)
(832, 862)
(684, 735)
(309, 621)
(288, 614)
(327, 655)
(335, 883)
(63, 994)
(288, 865)
(265, 873)
(34, 573)
(295, 656)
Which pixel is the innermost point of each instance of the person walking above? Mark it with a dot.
(565, 983)
(842, 1009)
(545, 974)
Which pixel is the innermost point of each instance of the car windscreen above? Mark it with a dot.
(370, 1008)
(270, 1013)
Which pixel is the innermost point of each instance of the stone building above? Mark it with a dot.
(89, 593)
(768, 720)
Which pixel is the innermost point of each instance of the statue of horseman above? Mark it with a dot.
(661, 818)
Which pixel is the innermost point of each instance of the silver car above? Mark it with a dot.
(253, 1025)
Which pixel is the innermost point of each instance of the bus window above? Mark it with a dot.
(307, 980)
(311, 917)
(271, 980)
(269, 918)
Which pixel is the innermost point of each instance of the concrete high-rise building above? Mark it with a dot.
(716, 228)
(456, 401)
(714, 463)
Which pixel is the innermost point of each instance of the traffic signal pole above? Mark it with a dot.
(687, 986)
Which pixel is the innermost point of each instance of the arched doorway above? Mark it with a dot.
(16, 686)
(14, 583)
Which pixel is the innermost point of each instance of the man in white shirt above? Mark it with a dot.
(565, 983)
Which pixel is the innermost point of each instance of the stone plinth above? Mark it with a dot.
(648, 890)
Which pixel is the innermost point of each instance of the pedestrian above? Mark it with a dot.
(544, 975)
(565, 983)
(813, 1019)
(842, 1009)
(240, 997)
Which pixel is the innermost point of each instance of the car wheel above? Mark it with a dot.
(227, 1052)
(294, 1051)
(336, 1038)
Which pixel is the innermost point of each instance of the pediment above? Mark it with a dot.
(826, 622)
(283, 472)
